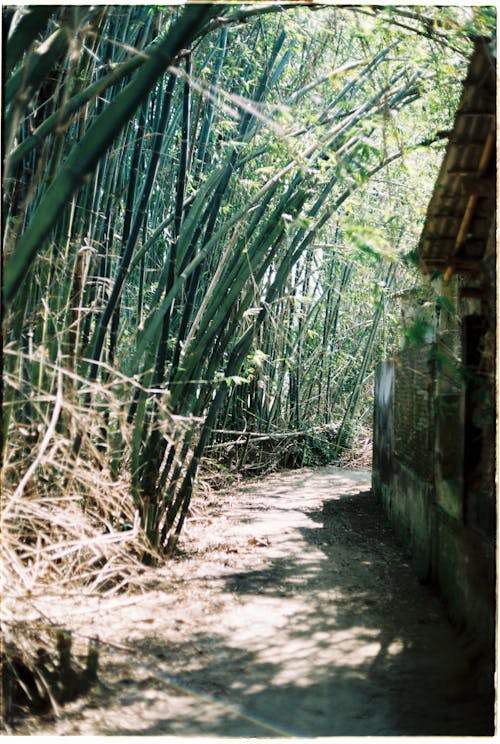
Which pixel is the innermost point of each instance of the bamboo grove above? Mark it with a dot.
(205, 209)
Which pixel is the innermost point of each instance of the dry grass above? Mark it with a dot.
(69, 523)
(360, 455)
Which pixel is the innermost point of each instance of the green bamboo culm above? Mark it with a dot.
(40, 64)
(86, 154)
(183, 253)
(26, 31)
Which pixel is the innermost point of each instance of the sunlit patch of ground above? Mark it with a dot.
(291, 611)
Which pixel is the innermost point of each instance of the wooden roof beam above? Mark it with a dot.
(478, 185)
(472, 200)
(446, 245)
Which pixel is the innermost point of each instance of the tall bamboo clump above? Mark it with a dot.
(172, 183)
(89, 116)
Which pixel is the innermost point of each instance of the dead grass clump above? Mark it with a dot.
(360, 454)
(247, 454)
(66, 521)
(69, 524)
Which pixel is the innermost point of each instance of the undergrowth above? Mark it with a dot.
(69, 520)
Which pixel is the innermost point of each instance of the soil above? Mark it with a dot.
(290, 611)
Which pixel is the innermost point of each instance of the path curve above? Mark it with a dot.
(291, 611)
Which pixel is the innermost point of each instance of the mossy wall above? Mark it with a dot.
(420, 481)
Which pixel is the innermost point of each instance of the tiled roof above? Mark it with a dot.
(462, 207)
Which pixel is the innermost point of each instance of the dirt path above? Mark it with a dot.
(291, 612)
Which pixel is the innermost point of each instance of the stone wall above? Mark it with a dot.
(383, 453)
(413, 410)
(402, 456)
(421, 475)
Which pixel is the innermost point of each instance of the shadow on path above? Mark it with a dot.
(331, 634)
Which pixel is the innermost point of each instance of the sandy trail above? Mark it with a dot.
(291, 611)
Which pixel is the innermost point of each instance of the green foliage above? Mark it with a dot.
(218, 239)
(369, 240)
(320, 449)
(420, 332)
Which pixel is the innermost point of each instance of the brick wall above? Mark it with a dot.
(413, 411)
